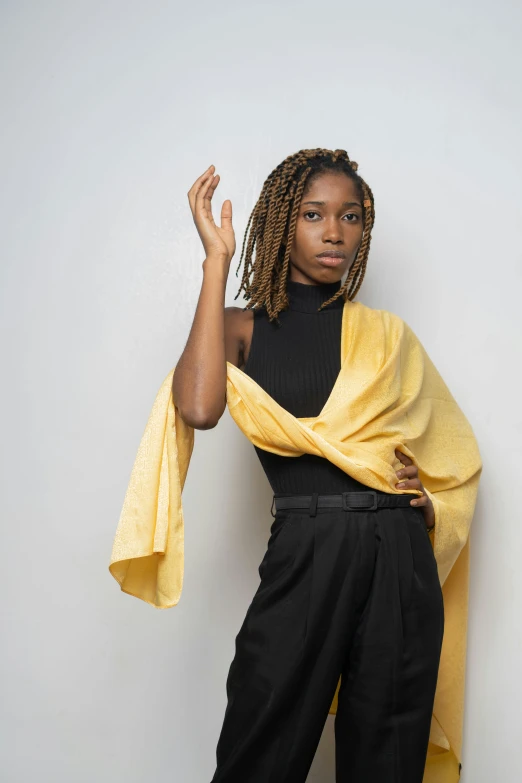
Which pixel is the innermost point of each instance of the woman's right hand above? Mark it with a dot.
(219, 242)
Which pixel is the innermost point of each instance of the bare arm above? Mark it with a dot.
(199, 382)
(200, 377)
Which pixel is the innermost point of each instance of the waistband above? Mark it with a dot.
(347, 501)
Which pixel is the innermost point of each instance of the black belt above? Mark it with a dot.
(348, 501)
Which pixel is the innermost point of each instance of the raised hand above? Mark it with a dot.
(219, 241)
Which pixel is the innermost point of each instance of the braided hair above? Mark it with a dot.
(271, 229)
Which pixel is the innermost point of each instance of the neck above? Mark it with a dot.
(308, 298)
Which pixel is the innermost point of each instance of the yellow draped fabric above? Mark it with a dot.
(388, 395)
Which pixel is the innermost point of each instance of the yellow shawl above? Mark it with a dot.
(388, 395)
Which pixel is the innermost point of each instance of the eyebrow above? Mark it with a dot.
(344, 204)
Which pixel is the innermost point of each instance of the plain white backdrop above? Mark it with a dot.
(110, 112)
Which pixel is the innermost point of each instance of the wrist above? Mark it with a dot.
(216, 267)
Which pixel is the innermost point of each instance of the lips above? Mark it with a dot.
(330, 260)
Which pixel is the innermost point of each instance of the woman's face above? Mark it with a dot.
(333, 224)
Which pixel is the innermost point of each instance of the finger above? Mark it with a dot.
(410, 471)
(197, 185)
(413, 483)
(203, 190)
(208, 192)
(207, 198)
(226, 215)
(403, 458)
(203, 203)
(421, 500)
(193, 192)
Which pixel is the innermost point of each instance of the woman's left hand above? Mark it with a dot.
(409, 479)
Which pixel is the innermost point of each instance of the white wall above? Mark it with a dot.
(110, 112)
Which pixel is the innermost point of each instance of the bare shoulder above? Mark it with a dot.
(238, 334)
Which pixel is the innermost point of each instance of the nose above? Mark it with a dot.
(332, 231)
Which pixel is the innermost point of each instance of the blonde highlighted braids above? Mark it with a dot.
(271, 229)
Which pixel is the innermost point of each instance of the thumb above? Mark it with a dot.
(226, 215)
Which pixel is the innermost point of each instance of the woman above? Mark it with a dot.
(350, 588)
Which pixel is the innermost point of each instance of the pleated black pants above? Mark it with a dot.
(351, 593)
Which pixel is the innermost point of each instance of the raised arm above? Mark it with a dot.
(200, 376)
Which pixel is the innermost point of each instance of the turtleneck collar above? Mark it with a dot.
(308, 298)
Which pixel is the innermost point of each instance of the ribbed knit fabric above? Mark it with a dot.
(297, 363)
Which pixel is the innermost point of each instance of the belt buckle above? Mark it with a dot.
(347, 507)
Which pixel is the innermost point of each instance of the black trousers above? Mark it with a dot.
(350, 593)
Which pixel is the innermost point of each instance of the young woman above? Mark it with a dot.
(374, 471)
(332, 579)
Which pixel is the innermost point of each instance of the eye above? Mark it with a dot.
(348, 214)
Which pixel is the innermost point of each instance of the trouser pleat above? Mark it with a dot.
(342, 593)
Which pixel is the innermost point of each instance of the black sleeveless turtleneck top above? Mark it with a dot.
(297, 363)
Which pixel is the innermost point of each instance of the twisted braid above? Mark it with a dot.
(272, 225)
